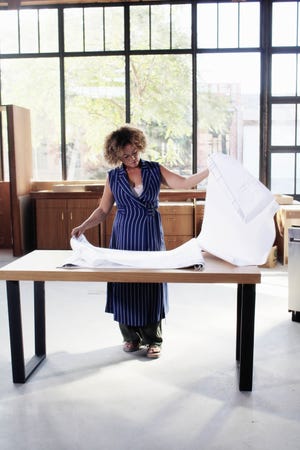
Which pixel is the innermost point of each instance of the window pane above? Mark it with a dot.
(228, 107)
(284, 74)
(9, 32)
(282, 173)
(160, 26)
(207, 21)
(161, 104)
(29, 31)
(139, 27)
(95, 105)
(283, 125)
(93, 29)
(48, 30)
(114, 28)
(228, 25)
(73, 29)
(284, 24)
(298, 175)
(249, 24)
(298, 125)
(181, 26)
(34, 84)
(5, 147)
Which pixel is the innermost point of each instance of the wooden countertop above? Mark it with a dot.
(165, 195)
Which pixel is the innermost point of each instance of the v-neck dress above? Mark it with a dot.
(137, 226)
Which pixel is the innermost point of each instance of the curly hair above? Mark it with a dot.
(116, 141)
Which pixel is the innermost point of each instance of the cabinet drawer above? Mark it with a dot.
(88, 204)
(293, 214)
(177, 219)
(176, 208)
(175, 241)
(51, 203)
(178, 225)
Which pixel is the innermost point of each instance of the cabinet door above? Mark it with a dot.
(178, 223)
(177, 219)
(51, 224)
(78, 211)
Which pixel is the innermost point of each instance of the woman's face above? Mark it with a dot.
(130, 156)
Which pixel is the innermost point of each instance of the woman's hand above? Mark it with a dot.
(98, 215)
(77, 231)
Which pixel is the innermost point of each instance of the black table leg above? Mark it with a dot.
(20, 370)
(245, 335)
(238, 321)
(39, 318)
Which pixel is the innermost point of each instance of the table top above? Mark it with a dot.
(44, 265)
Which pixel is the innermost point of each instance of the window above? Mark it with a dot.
(228, 25)
(93, 29)
(228, 107)
(33, 83)
(28, 31)
(160, 27)
(95, 103)
(228, 83)
(187, 73)
(161, 104)
(285, 91)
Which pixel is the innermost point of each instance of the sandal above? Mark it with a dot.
(153, 351)
(130, 346)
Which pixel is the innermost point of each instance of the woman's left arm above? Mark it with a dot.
(175, 181)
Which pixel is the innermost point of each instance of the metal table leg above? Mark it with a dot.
(21, 371)
(245, 334)
(238, 322)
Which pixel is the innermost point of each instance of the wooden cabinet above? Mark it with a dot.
(55, 218)
(57, 214)
(178, 223)
(5, 216)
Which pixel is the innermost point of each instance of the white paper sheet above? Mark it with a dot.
(238, 224)
(87, 255)
(238, 227)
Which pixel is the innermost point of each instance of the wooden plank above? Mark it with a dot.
(5, 228)
(20, 169)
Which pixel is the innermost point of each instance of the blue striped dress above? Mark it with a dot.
(137, 226)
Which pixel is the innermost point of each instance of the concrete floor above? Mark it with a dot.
(90, 395)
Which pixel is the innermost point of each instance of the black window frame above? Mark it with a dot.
(265, 49)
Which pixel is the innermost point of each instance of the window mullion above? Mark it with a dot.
(62, 92)
(127, 62)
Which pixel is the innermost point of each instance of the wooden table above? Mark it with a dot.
(40, 266)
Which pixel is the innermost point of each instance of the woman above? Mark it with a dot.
(134, 186)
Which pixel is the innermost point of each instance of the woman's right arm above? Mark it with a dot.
(99, 214)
